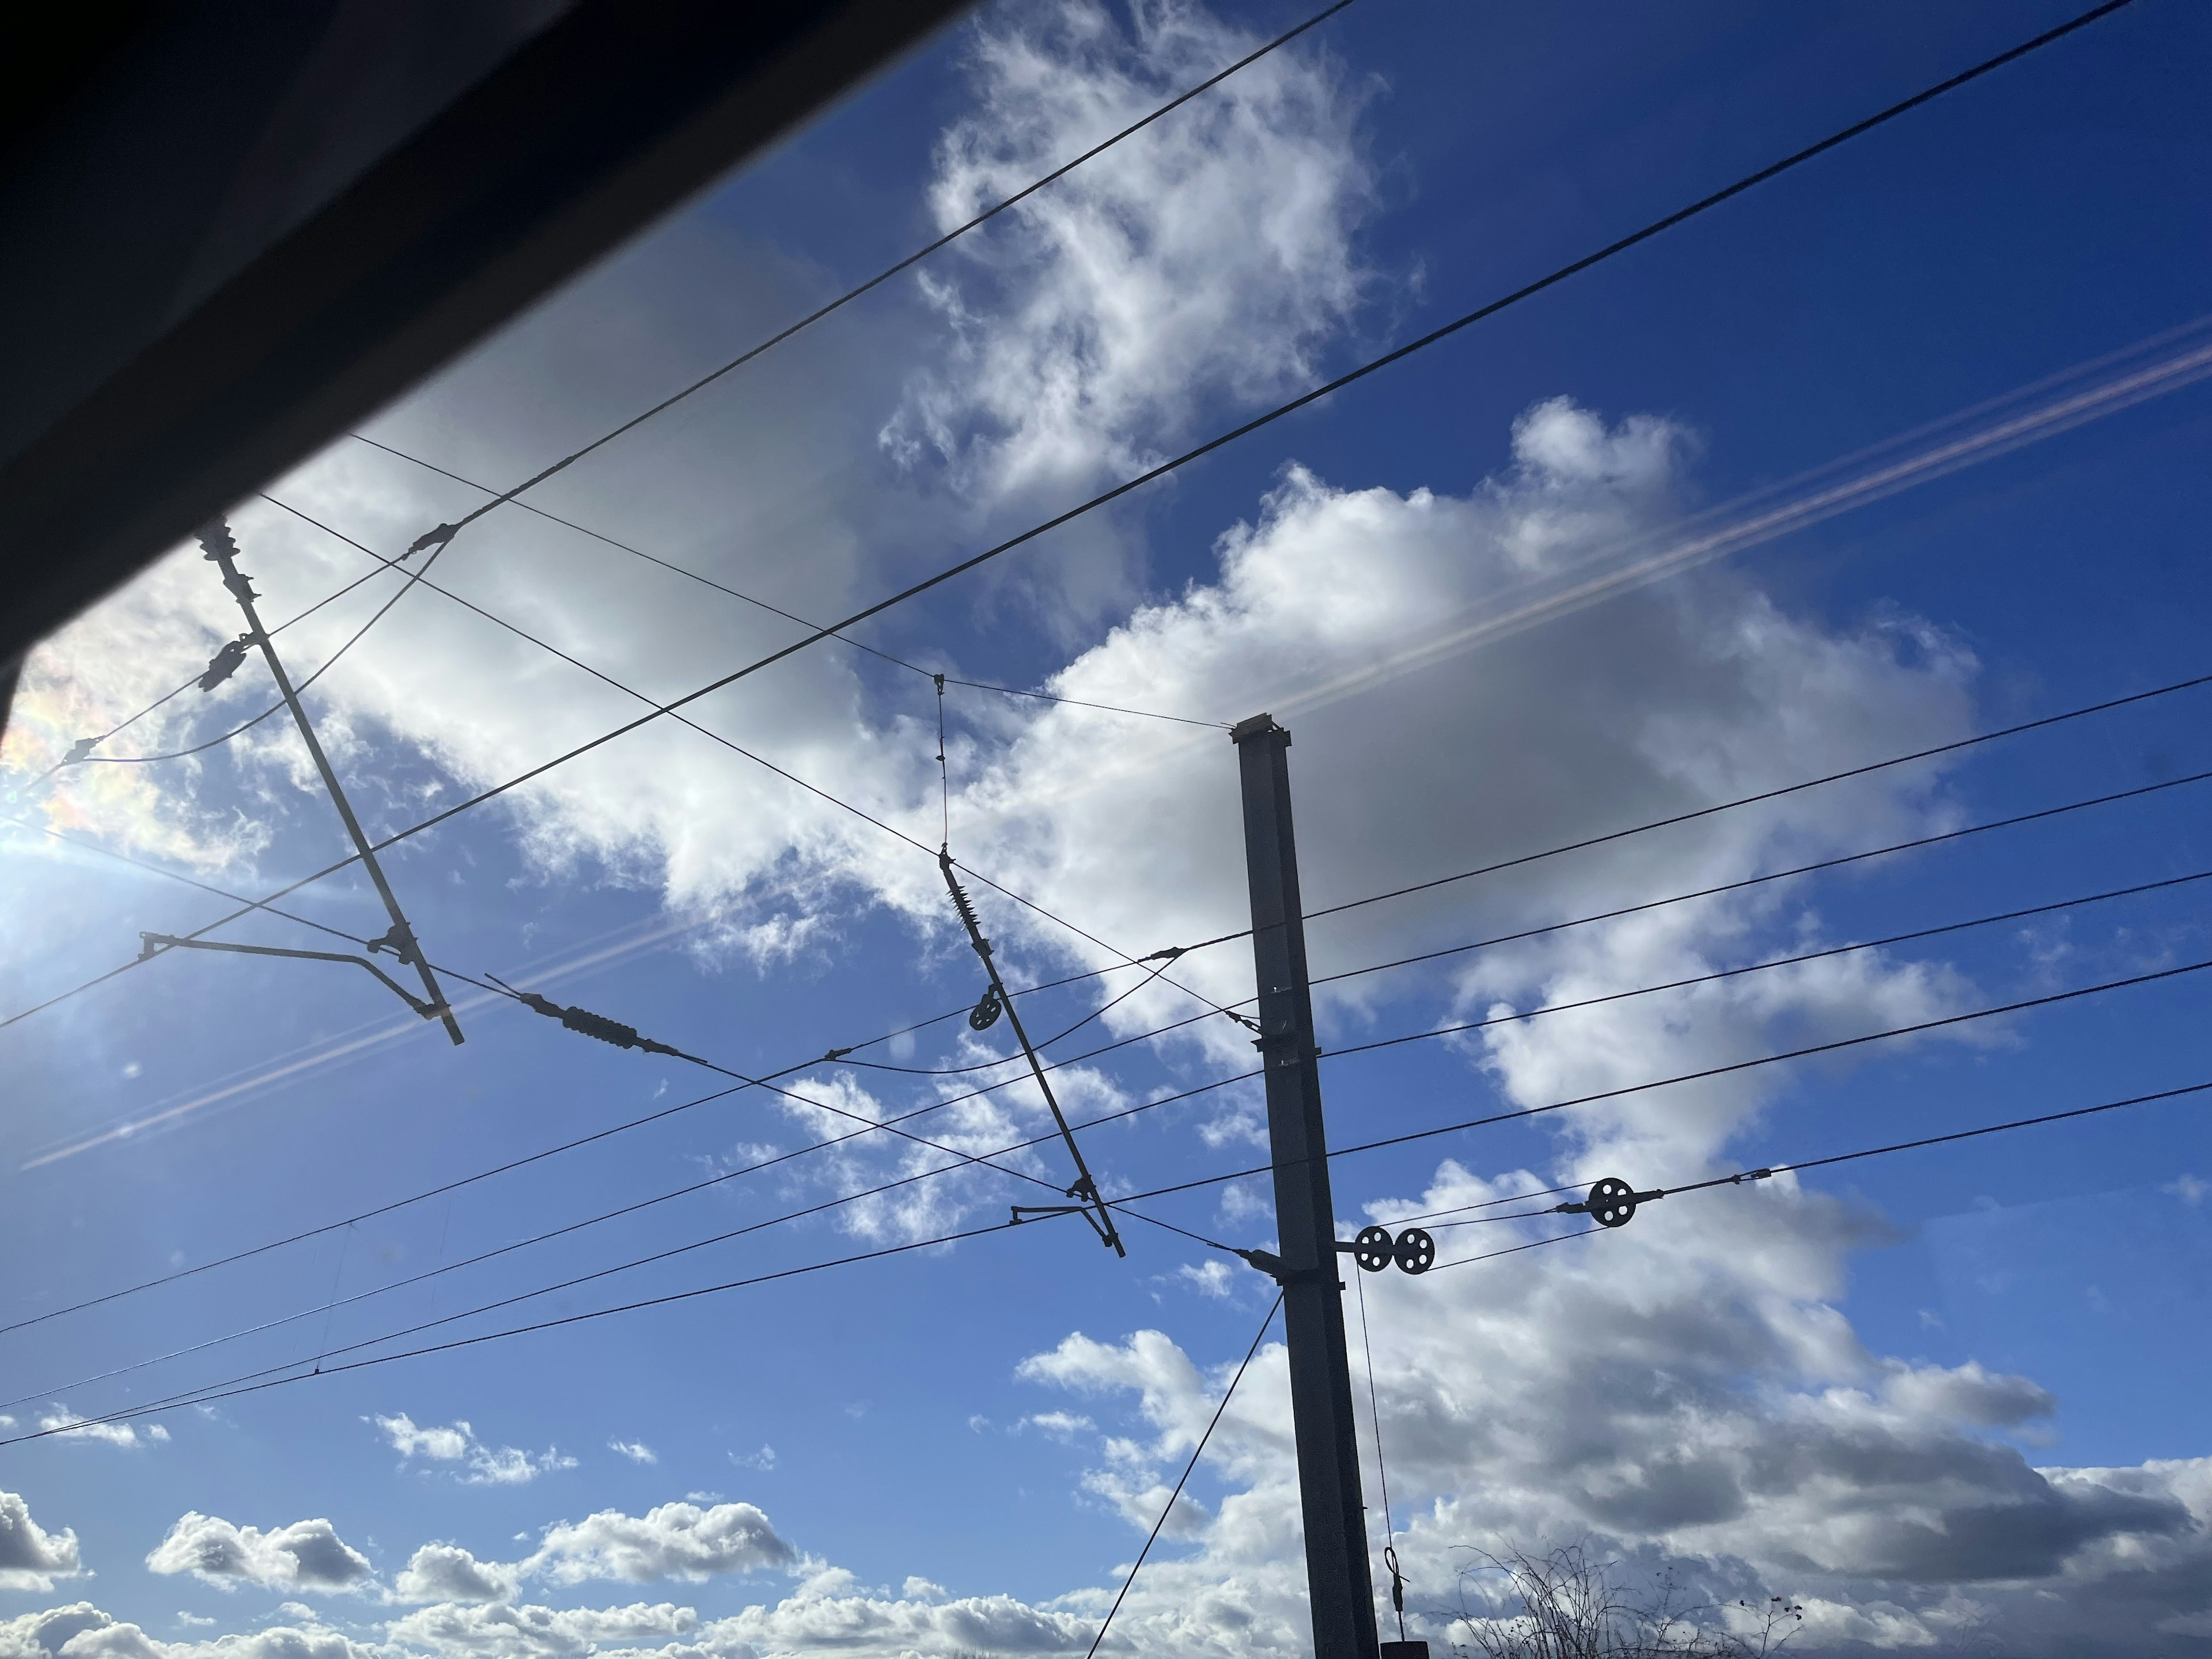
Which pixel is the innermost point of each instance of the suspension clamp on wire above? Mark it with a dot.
(399, 941)
(224, 663)
(79, 750)
(437, 538)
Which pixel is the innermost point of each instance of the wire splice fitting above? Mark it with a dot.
(437, 538)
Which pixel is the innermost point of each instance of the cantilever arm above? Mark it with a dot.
(150, 941)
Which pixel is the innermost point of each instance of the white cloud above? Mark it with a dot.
(447, 1572)
(2188, 1188)
(457, 1443)
(674, 1540)
(1208, 259)
(536, 1632)
(445, 1445)
(83, 1630)
(306, 1555)
(66, 1424)
(1062, 1426)
(1212, 1277)
(763, 1459)
(637, 1450)
(31, 1557)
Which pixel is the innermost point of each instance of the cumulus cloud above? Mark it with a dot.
(637, 1450)
(1210, 258)
(83, 1630)
(480, 1465)
(447, 1572)
(32, 1557)
(63, 1424)
(306, 1555)
(674, 1540)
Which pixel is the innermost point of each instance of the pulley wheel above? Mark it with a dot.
(1374, 1249)
(985, 1014)
(1612, 1203)
(1417, 1251)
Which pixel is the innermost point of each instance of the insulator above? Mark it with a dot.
(985, 1014)
(1611, 1203)
(1416, 1251)
(214, 537)
(600, 1026)
(1374, 1249)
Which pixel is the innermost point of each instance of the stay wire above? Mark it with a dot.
(1173, 1497)
(1233, 434)
(885, 276)
(1375, 1417)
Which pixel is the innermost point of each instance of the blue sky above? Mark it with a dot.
(1840, 1389)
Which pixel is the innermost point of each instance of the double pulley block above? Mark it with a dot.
(1414, 1250)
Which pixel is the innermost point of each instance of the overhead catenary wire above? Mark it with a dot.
(87, 743)
(1509, 1017)
(690, 575)
(1119, 1201)
(636, 1206)
(1730, 1068)
(2105, 706)
(260, 1382)
(911, 259)
(1176, 1496)
(758, 760)
(1768, 1171)
(1151, 475)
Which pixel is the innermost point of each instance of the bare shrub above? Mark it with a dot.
(1570, 1603)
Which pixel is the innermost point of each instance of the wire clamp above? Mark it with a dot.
(1751, 1174)
(399, 941)
(834, 1054)
(79, 750)
(438, 538)
(1274, 1265)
